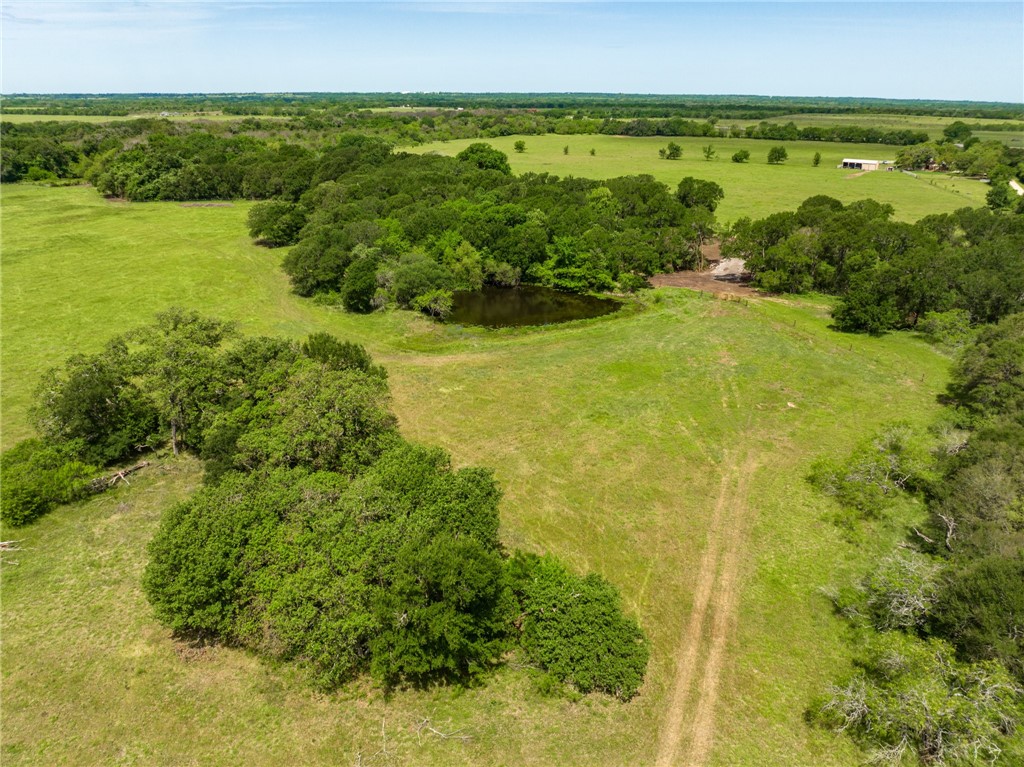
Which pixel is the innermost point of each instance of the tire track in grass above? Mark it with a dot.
(691, 645)
(724, 606)
(712, 617)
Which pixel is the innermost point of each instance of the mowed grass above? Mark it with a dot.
(754, 188)
(608, 437)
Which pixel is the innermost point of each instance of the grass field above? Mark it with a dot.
(636, 445)
(751, 189)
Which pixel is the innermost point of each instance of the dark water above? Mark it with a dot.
(526, 305)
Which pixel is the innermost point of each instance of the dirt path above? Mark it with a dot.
(687, 733)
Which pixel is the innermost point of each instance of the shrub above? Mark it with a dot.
(912, 697)
(876, 472)
(575, 629)
(741, 156)
(36, 477)
(980, 610)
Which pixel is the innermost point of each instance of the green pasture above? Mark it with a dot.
(753, 188)
(609, 438)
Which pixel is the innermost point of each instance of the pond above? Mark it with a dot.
(526, 305)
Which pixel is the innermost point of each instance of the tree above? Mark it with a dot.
(777, 155)
(709, 152)
(593, 152)
(697, 193)
(445, 613)
(817, 159)
(673, 151)
(741, 156)
(519, 146)
(92, 406)
(485, 157)
(565, 149)
(276, 223)
(988, 379)
(957, 132)
(178, 366)
(36, 477)
(359, 284)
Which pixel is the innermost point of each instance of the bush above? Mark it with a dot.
(912, 697)
(876, 472)
(575, 629)
(36, 477)
(741, 156)
(980, 610)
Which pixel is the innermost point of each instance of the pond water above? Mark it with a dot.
(526, 305)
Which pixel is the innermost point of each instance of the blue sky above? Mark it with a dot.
(925, 50)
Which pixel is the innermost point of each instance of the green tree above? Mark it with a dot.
(36, 477)
(593, 152)
(697, 193)
(777, 155)
(519, 146)
(957, 132)
(359, 284)
(444, 614)
(93, 406)
(709, 152)
(988, 379)
(565, 149)
(276, 223)
(485, 157)
(741, 156)
(816, 161)
(673, 151)
(177, 364)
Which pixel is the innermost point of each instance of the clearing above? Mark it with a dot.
(663, 447)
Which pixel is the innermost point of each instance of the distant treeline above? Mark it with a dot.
(736, 107)
(65, 149)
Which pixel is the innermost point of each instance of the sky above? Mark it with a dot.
(909, 50)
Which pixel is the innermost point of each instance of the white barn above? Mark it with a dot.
(862, 164)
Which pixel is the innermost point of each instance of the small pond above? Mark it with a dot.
(526, 305)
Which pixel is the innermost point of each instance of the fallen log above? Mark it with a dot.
(102, 483)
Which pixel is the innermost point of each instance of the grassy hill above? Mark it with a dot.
(664, 447)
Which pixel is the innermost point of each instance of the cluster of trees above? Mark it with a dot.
(320, 536)
(942, 671)
(846, 134)
(410, 229)
(887, 274)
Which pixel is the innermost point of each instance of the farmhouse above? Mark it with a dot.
(862, 164)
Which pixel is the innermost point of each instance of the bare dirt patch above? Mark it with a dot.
(723, 277)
